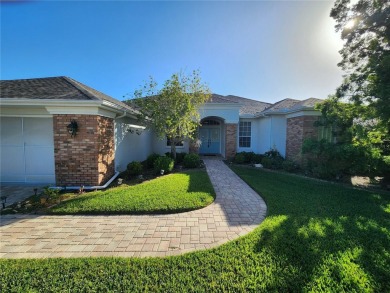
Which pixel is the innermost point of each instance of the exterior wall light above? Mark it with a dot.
(72, 128)
(135, 129)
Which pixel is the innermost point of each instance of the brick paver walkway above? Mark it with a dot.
(236, 211)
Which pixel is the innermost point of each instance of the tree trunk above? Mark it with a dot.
(173, 148)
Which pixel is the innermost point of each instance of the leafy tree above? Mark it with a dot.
(172, 111)
(365, 28)
(361, 141)
(359, 112)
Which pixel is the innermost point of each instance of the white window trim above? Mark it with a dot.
(239, 136)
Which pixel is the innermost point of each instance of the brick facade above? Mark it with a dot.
(230, 140)
(299, 129)
(88, 158)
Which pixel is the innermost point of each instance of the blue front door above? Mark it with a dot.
(211, 140)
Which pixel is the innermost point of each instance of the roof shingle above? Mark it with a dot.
(248, 106)
(55, 88)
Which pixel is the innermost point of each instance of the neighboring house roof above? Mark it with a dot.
(282, 105)
(253, 108)
(288, 105)
(56, 88)
(308, 103)
(248, 106)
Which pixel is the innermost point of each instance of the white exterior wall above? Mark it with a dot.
(130, 146)
(160, 146)
(271, 133)
(264, 135)
(278, 130)
(228, 112)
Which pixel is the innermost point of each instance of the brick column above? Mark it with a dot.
(88, 158)
(106, 146)
(299, 129)
(230, 140)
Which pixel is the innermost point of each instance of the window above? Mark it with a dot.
(244, 134)
(179, 144)
(209, 122)
(325, 133)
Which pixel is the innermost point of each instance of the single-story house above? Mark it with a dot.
(59, 131)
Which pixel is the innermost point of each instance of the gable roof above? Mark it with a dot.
(308, 103)
(55, 88)
(282, 105)
(288, 105)
(254, 107)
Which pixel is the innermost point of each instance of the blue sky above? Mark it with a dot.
(264, 50)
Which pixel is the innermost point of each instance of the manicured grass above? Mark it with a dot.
(168, 194)
(316, 237)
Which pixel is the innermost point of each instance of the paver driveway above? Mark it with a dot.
(236, 211)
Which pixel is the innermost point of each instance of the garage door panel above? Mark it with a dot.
(13, 178)
(38, 160)
(50, 179)
(12, 163)
(11, 131)
(27, 150)
(38, 131)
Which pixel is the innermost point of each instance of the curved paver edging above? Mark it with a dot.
(236, 211)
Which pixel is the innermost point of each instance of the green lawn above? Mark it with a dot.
(168, 194)
(317, 237)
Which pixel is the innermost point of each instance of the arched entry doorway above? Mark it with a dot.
(211, 136)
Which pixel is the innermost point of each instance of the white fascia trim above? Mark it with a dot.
(123, 112)
(47, 102)
(10, 111)
(306, 110)
(92, 107)
(247, 116)
(80, 110)
(304, 113)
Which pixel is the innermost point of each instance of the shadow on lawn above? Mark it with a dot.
(340, 235)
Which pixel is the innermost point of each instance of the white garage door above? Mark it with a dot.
(27, 150)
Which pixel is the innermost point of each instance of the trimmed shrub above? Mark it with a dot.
(256, 158)
(151, 159)
(267, 162)
(244, 157)
(180, 157)
(163, 163)
(191, 161)
(273, 153)
(134, 168)
(248, 157)
(272, 163)
(272, 160)
(289, 166)
(239, 158)
(169, 154)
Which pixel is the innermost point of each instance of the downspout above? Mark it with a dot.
(88, 187)
(121, 116)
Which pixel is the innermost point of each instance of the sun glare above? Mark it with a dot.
(350, 24)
